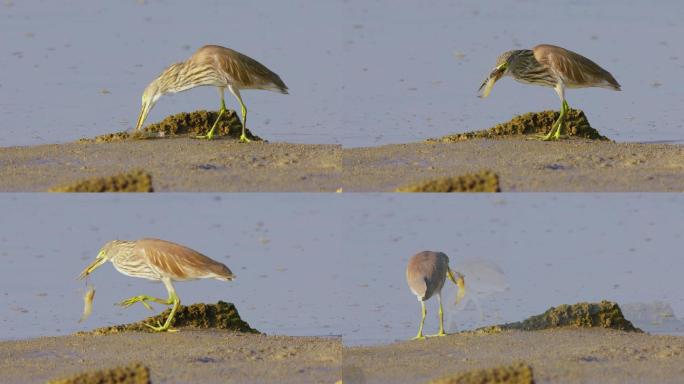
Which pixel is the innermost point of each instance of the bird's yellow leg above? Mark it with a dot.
(243, 136)
(555, 132)
(143, 299)
(166, 327)
(422, 321)
(565, 108)
(441, 318)
(223, 110)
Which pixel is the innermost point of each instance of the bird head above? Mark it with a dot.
(149, 98)
(102, 257)
(500, 69)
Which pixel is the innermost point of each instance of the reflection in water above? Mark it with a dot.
(361, 73)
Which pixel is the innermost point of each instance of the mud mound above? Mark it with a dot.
(130, 374)
(221, 315)
(511, 374)
(605, 314)
(184, 124)
(532, 123)
(485, 181)
(136, 181)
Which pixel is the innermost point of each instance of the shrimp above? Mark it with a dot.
(87, 303)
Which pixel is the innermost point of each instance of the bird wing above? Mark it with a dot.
(574, 69)
(180, 262)
(240, 70)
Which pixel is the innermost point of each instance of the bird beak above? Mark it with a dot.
(493, 77)
(93, 266)
(143, 115)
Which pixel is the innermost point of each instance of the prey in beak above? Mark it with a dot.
(493, 77)
(99, 260)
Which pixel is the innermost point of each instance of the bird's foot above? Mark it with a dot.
(419, 337)
(160, 327)
(551, 136)
(441, 333)
(135, 299)
(208, 136)
(244, 139)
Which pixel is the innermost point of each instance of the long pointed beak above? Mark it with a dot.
(487, 85)
(143, 115)
(93, 266)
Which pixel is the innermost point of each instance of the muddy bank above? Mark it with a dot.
(187, 124)
(192, 356)
(563, 355)
(532, 124)
(485, 181)
(509, 374)
(219, 316)
(135, 373)
(136, 181)
(586, 162)
(573, 165)
(605, 314)
(191, 165)
(179, 164)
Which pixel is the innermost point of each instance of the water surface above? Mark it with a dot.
(283, 248)
(361, 73)
(521, 254)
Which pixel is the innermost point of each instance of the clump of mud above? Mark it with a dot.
(136, 181)
(221, 315)
(485, 181)
(184, 124)
(605, 314)
(130, 374)
(509, 374)
(532, 123)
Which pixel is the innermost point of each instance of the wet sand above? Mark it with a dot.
(556, 356)
(574, 165)
(178, 164)
(183, 164)
(187, 356)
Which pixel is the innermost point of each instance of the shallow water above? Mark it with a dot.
(320, 264)
(520, 254)
(283, 249)
(360, 73)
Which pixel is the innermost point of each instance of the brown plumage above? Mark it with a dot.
(180, 262)
(575, 70)
(238, 70)
(550, 66)
(215, 66)
(425, 274)
(159, 260)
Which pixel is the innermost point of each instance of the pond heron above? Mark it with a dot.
(158, 260)
(550, 66)
(217, 66)
(425, 274)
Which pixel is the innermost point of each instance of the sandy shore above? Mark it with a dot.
(187, 356)
(556, 356)
(183, 164)
(575, 165)
(178, 164)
